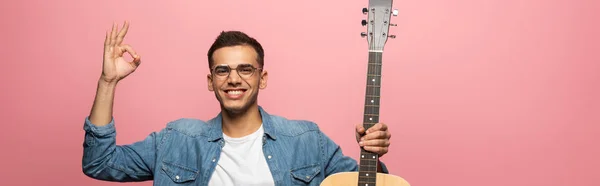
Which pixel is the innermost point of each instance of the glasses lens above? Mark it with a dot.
(221, 70)
(245, 69)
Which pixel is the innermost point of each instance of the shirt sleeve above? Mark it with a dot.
(334, 159)
(104, 160)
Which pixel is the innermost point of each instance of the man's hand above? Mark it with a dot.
(115, 67)
(376, 139)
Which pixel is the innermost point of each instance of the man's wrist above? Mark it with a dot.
(106, 83)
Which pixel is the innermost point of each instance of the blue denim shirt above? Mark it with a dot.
(187, 150)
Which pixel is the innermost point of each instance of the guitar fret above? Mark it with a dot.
(367, 159)
(367, 182)
(367, 177)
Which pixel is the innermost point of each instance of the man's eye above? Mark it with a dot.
(221, 70)
(246, 70)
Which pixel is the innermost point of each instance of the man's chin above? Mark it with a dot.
(235, 109)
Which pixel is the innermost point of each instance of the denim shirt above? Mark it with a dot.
(187, 150)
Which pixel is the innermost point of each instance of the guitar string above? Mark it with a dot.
(377, 84)
(374, 89)
(362, 168)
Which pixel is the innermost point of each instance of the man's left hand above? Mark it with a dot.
(376, 139)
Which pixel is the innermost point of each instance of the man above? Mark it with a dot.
(242, 145)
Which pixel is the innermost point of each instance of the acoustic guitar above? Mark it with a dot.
(378, 23)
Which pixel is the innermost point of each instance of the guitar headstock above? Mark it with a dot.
(378, 23)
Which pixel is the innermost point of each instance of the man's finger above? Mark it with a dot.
(375, 135)
(122, 33)
(129, 49)
(113, 34)
(136, 58)
(360, 129)
(376, 127)
(137, 61)
(379, 150)
(375, 143)
(106, 40)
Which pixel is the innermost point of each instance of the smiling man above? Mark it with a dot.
(242, 145)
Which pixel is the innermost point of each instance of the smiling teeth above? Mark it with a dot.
(235, 92)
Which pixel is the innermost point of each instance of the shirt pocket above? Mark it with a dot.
(178, 173)
(304, 175)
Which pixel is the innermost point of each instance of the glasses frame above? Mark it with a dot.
(254, 69)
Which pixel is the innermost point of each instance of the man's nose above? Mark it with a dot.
(234, 77)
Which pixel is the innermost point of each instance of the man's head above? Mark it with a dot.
(236, 64)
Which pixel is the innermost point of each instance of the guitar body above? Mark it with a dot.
(378, 23)
(351, 179)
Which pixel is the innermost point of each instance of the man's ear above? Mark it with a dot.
(210, 82)
(263, 79)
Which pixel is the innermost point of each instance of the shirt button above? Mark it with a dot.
(269, 156)
(307, 177)
(214, 160)
(177, 177)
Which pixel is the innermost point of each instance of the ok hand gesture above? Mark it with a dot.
(115, 67)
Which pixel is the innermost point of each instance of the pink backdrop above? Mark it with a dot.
(497, 92)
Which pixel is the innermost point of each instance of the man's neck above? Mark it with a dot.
(241, 124)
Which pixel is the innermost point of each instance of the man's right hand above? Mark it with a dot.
(115, 67)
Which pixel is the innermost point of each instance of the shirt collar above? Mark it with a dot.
(216, 126)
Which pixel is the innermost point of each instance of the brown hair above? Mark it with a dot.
(234, 38)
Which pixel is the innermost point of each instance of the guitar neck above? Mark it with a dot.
(371, 112)
(369, 160)
(378, 24)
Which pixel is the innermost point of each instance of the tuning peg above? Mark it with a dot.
(392, 36)
(365, 11)
(395, 12)
(363, 22)
(363, 34)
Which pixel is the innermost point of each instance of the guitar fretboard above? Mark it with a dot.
(372, 95)
(368, 160)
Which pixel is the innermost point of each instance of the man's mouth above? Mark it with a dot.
(235, 93)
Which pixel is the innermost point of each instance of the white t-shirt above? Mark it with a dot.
(242, 162)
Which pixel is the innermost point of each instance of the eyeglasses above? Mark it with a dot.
(243, 70)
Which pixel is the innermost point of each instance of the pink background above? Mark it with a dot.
(497, 92)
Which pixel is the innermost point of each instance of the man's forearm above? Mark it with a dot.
(101, 113)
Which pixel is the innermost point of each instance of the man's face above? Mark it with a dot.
(236, 87)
